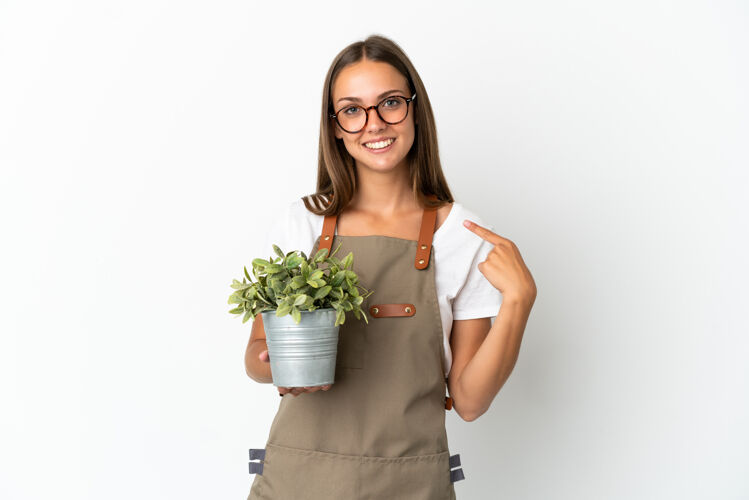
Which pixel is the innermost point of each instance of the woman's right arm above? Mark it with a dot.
(257, 370)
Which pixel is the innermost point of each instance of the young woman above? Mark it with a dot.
(438, 278)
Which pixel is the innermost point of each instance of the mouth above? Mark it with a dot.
(380, 146)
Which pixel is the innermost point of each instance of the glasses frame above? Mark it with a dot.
(377, 110)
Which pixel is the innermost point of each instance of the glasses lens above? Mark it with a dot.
(393, 109)
(352, 118)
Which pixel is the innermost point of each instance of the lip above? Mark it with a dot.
(379, 151)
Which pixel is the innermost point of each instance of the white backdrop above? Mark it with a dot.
(145, 146)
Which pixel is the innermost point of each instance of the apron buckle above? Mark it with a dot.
(456, 474)
(257, 454)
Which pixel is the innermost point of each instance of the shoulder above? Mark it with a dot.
(299, 216)
(452, 233)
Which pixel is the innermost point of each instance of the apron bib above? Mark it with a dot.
(379, 431)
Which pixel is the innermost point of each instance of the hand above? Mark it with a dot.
(504, 267)
(264, 356)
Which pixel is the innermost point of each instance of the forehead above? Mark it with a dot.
(366, 80)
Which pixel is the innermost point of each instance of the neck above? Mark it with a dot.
(384, 193)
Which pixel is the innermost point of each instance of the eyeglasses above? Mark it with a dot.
(392, 109)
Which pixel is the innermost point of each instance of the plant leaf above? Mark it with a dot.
(320, 255)
(259, 262)
(322, 292)
(293, 261)
(301, 299)
(283, 309)
(296, 315)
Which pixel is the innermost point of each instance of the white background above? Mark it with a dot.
(146, 145)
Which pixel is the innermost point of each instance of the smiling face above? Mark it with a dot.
(366, 83)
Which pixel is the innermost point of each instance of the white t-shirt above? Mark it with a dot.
(462, 291)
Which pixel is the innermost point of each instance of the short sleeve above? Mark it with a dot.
(278, 232)
(291, 227)
(477, 298)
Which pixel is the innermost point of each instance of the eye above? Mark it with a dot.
(391, 102)
(351, 110)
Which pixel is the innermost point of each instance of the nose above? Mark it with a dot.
(374, 122)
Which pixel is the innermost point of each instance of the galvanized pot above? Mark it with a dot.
(304, 354)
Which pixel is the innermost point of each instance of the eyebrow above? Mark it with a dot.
(378, 97)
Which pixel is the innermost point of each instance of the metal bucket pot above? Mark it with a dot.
(304, 354)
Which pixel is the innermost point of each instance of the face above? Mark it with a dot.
(366, 83)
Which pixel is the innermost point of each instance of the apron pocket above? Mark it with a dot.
(422, 477)
(291, 473)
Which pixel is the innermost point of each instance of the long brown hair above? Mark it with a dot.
(336, 172)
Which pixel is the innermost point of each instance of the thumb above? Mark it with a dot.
(264, 356)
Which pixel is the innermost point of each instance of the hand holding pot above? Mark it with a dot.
(265, 357)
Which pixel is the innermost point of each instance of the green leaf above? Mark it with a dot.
(322, 292)
(301, 299)
(335, 262)
(260, 262)
(316, 275)
(298, 282)
(278, 251)
(336, 249)
(283, 309)
(313, 283)
(340, 317)
(296, 315)
(348, 260)
(320, 255)
(247, 274)
(273, 268)
(338, 278)
(247, 316)
(293, 261)
(237, 310)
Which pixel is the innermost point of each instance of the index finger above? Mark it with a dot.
(484, 233)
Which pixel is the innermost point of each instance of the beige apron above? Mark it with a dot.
(379, 432)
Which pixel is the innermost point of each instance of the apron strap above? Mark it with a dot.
(423, 245)
(328, 231)
(392, 310)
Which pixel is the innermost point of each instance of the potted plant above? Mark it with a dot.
(303, 301)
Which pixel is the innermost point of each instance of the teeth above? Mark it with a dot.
(379, 145)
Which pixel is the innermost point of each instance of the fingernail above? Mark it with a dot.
(467, 223)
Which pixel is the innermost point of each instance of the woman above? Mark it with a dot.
(379, 431)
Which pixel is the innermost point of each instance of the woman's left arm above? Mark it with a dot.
(484, 355)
